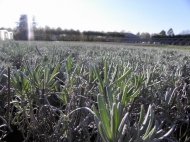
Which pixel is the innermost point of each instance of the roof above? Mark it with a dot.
(130, 35)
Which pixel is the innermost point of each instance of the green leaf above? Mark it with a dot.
(115, 121)
(121, 125)
(25, 84)
(110, 97)
(105, 118)
(35, 76)
(150, 136)
(146, 121)
(13, 80)
(105, 73)
(99, 80)
(120, 111)
(90, 75)
(122, 77)
(69, 64)
(102, 133)
(29, 68)
(46, 75)
(142, 114)
(126, 94)
(54, 73)
(130, 98)
(95, 111)
(109, 72)
(53, 85)
(114, 75)
(151, 120)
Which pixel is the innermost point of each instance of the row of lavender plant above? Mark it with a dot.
(95, 92)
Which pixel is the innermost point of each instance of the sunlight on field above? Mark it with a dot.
(69, 87)
(30, 27)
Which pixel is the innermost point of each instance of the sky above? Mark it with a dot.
(134, 16)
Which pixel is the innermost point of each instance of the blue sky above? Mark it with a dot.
(101, 15)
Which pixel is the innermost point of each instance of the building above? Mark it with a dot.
(131, 38)
(5, 35)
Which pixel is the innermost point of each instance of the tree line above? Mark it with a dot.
(29, 31)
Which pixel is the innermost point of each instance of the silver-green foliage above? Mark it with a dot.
(125, 89)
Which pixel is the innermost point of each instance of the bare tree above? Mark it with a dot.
(170, 32)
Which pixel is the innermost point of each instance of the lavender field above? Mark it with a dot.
(93, 92)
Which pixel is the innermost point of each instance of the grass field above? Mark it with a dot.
(84, 91)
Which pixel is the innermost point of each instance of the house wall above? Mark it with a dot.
(10, 35)
(1, 35)
(4, 35)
